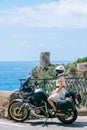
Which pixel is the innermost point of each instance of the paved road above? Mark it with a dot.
(52, 124)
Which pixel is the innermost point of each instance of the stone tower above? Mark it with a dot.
(45, 59)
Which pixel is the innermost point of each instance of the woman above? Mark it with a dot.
(60, 91)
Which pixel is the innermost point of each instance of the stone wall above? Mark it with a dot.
(4, 101)
(82, 66)
(5, 98)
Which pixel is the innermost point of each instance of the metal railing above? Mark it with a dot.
(78, 84)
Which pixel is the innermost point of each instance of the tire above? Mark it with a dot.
(69, 117)
(16, 113)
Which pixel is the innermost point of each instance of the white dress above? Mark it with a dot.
(58, 95)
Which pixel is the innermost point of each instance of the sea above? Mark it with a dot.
(12, 71)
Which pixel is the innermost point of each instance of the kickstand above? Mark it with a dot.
(45, 121)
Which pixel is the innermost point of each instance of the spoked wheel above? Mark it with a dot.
(17, 112)
(69, 117)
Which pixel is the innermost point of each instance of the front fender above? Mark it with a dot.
(17, 100)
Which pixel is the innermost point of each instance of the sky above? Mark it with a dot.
(29, 27)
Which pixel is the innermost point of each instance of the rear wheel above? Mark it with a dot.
(69, 117)
(17, 112)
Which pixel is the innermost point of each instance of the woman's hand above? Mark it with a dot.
(55, 91)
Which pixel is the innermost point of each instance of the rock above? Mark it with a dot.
(4, 102)
(5, 98)
(82, 66)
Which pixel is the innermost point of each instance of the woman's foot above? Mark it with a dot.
(53, 113)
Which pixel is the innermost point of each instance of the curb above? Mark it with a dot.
(82, 112)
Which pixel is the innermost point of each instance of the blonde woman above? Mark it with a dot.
(60, 91)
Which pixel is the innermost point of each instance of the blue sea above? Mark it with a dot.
(11, 72)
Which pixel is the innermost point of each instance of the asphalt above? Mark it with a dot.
(51, 124)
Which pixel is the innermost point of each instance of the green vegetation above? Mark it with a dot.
(81, 60)
(43, 72)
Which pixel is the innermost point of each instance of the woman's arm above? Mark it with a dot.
(57, 89)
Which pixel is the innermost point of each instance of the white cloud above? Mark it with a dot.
(64, 13)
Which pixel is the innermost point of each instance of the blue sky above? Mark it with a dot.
(29, 27)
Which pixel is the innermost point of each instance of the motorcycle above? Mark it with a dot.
(35, 104)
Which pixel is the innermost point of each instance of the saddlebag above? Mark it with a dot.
(64, 105)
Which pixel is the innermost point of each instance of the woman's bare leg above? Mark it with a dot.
(52, 104)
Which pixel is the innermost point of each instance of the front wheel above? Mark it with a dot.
(17, 112)
(69, 117)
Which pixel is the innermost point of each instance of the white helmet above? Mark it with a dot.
(60, 70)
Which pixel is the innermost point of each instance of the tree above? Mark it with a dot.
(80, 60)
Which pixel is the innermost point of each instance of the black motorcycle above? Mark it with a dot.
(35, 103)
